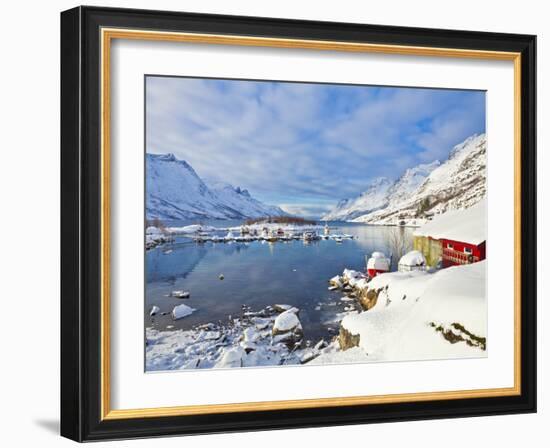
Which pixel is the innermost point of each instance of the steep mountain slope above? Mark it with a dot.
(373, 198)
(409, 182)
(457, 183)
(240, 199)
(175, 191)
(381, 194)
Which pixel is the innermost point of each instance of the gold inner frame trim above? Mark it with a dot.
(107, 35)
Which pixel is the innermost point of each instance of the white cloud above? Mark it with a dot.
(304, 140)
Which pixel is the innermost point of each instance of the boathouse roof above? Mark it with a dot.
(467, 226)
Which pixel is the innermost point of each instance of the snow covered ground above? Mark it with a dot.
(154, 237)
(418, 315)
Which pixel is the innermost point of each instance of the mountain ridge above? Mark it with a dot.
(174, 190)
(457, 182)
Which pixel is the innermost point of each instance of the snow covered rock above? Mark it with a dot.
(287, 328)
(181, 294)
(368, 297)
(152, 230)
(308, 355)
(154, 310)
(336, 281)
(350, 273)
(287, 322)
(181, 311)
(249, 342)
(232, 357)
(250, 335)
(347, 339)
(281, 308)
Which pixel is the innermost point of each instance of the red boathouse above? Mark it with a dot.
(455, 237)
(461, 252)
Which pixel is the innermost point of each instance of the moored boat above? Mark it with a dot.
(310, 236)
(378, 263)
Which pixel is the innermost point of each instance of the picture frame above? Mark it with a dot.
(86, 206)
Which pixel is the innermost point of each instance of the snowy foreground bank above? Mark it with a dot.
(416, 315)
(406, 316)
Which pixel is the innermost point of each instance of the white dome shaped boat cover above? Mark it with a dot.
(378, 263)
(413, 258)
(378, 255)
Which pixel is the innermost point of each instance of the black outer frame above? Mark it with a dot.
(80, 223)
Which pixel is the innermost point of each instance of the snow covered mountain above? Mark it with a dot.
(409, 182)
(457, 183)
(372, 199)
(381, 194)
(175, 191)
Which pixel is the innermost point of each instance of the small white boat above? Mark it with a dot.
(378, 263)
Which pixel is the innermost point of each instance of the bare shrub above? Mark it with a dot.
(156, 222)
(398, 242)
(280, 220)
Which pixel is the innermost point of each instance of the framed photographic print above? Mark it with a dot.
(273, 223)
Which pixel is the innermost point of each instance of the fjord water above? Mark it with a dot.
(258, 274)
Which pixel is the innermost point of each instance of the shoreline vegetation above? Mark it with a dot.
(296, 220)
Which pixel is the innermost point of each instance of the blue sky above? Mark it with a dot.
(305, 146)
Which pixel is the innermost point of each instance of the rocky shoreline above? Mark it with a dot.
(268, 337)
(395, 316)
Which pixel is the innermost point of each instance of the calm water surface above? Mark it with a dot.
(258, 274)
